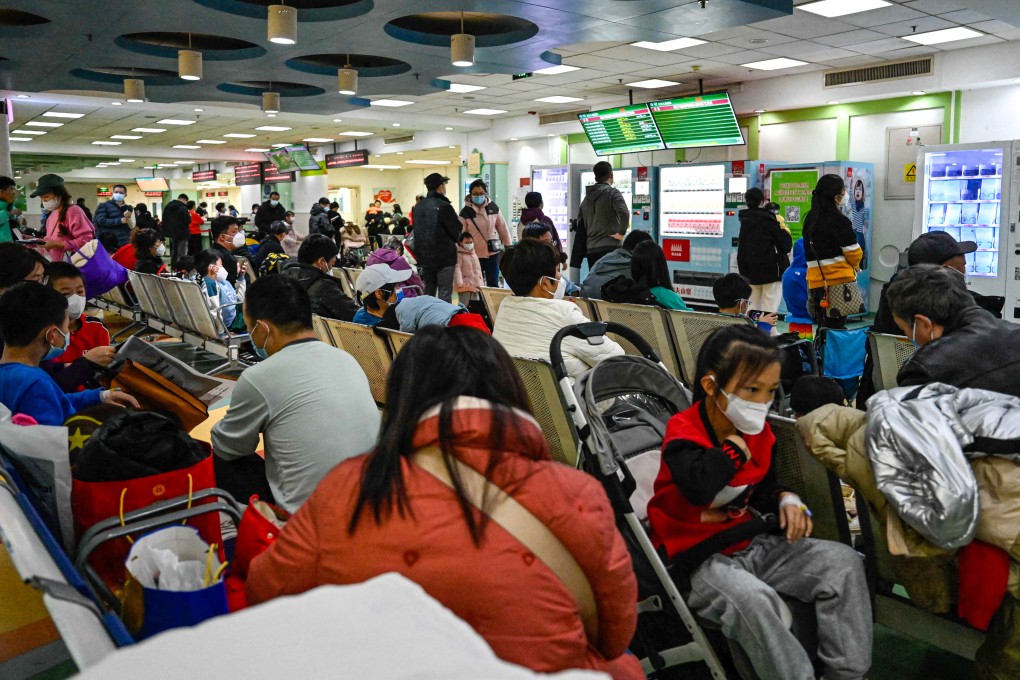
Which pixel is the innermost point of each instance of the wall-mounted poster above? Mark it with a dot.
(791, 189)
(384, 195)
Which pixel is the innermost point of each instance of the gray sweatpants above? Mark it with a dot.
(740, 594)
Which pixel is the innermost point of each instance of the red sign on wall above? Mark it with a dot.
(738, 168)
(677, 249)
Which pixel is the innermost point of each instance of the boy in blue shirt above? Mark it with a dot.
(35, 326)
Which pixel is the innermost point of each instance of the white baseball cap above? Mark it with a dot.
(375, 277)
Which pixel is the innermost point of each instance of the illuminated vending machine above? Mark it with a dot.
(969, 191)
(554, 182)
(637, 187)
(698, 223)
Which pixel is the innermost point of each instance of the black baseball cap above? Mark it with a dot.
(435, 180)
(936, 247)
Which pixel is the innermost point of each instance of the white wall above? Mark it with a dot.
(990, 114)
(801, 142)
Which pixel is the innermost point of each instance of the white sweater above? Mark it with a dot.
(525, 326)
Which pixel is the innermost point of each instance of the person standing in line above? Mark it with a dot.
(112, 216)
(604, 215)
(175, 224)
(833, 256)
(763, 252)
(8, 213)
(480, 218)
(67, 228)
(437, 230)
(270, 211)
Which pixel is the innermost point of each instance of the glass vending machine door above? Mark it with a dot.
(623, 180)
(692, 201)
(962, 197)
(553, 184)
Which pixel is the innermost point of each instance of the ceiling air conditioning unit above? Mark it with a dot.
(561, 117)
(895, 70)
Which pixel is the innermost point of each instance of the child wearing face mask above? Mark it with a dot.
(89, 337)
(467, 277)
(223, 299)
(739, 538)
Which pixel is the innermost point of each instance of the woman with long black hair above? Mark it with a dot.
(833, 256)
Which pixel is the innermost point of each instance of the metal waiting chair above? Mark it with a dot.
(549, 409)
(345, 282)
(369, 349)
(493, 298)
(889, 353)
(395, 340)
(690, 331)
(586, 306)
(650, 323)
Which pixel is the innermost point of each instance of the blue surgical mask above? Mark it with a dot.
(274, 203)
(261, 352)
(117, 196)
(478, 200)
(57, 351)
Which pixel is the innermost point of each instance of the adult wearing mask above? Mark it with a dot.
(8, 213)
(603, 217)
(480, 217)
(149, 252)
(313, 270)
(67, 228)
(833, 256)
(114, 216)
(270, 244)
(176, 222)
(270, 211)
(763, 252)
(436, 233)
(318, 219)
(227, 238)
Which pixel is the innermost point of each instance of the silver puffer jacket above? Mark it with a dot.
(919, 440)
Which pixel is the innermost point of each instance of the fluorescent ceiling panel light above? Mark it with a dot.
(43, 123)
(556, 70)
(669, 45)
(338, 120)
(370, 166)
(21, 139)
(199, 110)
(937, 37)
(396, 125)
(317, 139)
(427, 162)
(186, 146)
(125, 136)
(653, 83)
(148, 129)
(166, 165)
(116, 103)
(126, 160)
(355, 133)
(58, 114)
(184, 162)
(462, 88)
(253, 150)
(174, 121)
(391, 103)
(111, 163)
(279, 146)
(840, 8)
(239, 135)
(558, 99)
(209, 141)
(106, 143)
(774, 64)
(485, 112)
(272, 128)
(31, 132)
(448, 129)
(24, 96)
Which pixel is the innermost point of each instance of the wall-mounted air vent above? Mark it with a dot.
(561, 117)
(887, 71)
(402, 139)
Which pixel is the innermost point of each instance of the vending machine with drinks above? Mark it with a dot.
(637, 187)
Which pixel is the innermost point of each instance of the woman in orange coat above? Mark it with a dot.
(455, 399)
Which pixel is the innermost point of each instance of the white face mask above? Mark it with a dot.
(238, 240)
(843, 200)
(747, 416)
(221, 274)
(75, 306)
(160, 250)
(274, 203)
(50, 205)
(561, 287)
(119, 197)
(469, 246)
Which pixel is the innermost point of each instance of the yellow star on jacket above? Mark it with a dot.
(77, 440)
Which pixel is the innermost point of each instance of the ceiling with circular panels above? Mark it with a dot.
(117, 74)
(435, 28)
(14, 17)
(255, 88)
(315, 10)
(167, 43)
(368, 66)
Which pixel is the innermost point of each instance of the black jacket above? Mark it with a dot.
(763, 248)
(267, 214)
(327, 296)
(436, 231)
(623, 289)
(145, 220)
(976, 350)
(318, 222)
(270, 244)
(176, 220)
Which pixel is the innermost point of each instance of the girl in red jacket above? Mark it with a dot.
(717, 500)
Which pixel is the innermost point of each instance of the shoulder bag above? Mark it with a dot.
(840, 300)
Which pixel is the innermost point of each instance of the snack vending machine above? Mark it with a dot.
(554, 182)
(637, 187)
(698, 223)
(972, 191)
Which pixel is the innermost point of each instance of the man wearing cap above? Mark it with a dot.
(176, 224)
(436, 232)
(377, 292)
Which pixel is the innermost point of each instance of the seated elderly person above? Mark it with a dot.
(959, 343)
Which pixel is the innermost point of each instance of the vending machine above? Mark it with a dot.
(637, 186)
(790, 185)
(554, 182)
(972, 191)
(698, 224)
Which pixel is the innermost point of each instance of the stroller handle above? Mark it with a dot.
(595, 329)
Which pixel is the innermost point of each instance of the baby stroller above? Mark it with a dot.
(620, 409)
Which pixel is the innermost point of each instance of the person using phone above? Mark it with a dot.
(114, 216)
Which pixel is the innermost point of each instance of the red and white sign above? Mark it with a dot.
(738, 168)
(677, 249)
(384, 195)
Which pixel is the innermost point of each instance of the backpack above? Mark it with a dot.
(273, 263)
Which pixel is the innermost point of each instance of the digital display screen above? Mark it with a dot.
(699, 120)
(271, 174)
(282, 160)
(347, 159)
(152, 184)
(302, 157)
(247, 174)
(625, 129)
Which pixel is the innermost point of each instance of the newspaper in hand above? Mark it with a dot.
(205, 388)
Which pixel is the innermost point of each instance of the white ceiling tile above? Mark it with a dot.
(999, 28)
(710, 50)
(744, 41)
(965, 16)
(805, 25)
(729, 33)
(860, 35)
(972, 42)
(744, 57)
(885, 15)
(879, 46)
(922, 25)
(586, 61)
(639, 55)
(858, 60)
(826, 54)
(935, 6)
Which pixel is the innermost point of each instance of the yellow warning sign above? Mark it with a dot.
(910, 173)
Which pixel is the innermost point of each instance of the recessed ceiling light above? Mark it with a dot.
(448, 129)
(174, 121)
(392, 103)
(839, 8)
(279, 146)
(376, 156)
(272, 128)
(550, 135)
(451, 147)
(382, 167)
(669, 45)
(400, 153)
(484, 112)
(355, 133)
(186, 146)
(512, 139)
(166, 165)
(199, 110)
(23, 96)
(414, 162)
(58, 114)
(321, 140)
(774, 64)
(556, 70)
(943, 36)
(338, 120)
(653, 83)
(239, 135)
(270, 115)
(918, 92)
(396, 125)
(43, 123)
(254, 150)
(125, 136)
(31, 132)
(184, 162)
(21, 139)
(558, 99)
(464, 89)
(126, 160)
(106, 143)
(148, 129)
(116, 103)
(112, 163)
(209, 141)
(759, 110)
